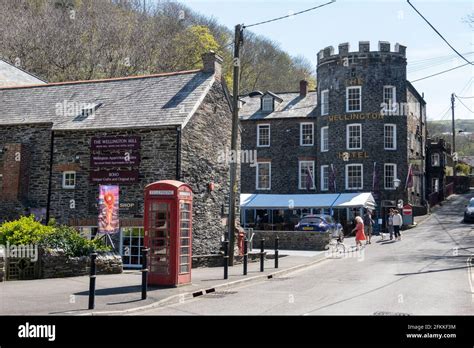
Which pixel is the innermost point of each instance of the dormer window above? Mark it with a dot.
(268, 101)
(267, 104)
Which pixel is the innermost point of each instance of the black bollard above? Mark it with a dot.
(226, 259)
(262, 255)
(246, 255)
(144, 272)
(92, 277)
(276, 251)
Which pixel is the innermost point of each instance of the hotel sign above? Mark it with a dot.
(356, 117)
(346, 156)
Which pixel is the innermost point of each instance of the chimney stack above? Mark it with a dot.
(303, 88)
(212, 63)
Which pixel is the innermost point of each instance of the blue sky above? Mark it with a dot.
(371, 20)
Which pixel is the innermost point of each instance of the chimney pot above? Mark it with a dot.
(303, 88)
(212, 63)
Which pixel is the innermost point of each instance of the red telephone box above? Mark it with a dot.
(168, 232)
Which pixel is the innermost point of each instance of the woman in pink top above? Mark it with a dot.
(359, 229)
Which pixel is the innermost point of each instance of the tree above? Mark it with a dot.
(64, 40)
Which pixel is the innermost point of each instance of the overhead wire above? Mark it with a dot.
(289, 15)
(439, 34)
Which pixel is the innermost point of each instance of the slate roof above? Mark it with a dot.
(292, 106)
(130, 102)
(13, 76)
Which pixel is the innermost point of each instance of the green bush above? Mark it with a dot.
(73, 244)
(28, 231)
(24, 231)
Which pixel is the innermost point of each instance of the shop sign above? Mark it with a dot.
(123, 177)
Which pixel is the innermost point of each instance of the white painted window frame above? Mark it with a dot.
(325, 102)
(302, 124)
(269, 175)
(348, 136)
(323, 187)
(360, 98)
(300, 163)
(394, 126)
(324, 130)
(69, 187)
(258, 134)
(394, 165)
(361, 174)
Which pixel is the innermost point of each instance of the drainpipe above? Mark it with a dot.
(178, 153)
(50, 177)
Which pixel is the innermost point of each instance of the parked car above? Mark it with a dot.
(319, 223)
(469, 211)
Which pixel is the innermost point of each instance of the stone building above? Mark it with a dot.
(438, 160)
(362, 129)
(59, 141)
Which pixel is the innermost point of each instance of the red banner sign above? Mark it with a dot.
(108, 209)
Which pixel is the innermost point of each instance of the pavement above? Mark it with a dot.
(121, 293)
(384, 277)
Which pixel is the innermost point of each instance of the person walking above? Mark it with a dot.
(359, 229)
(368, 225)
(397, 224)
(390, 223)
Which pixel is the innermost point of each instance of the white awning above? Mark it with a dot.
(296, 201)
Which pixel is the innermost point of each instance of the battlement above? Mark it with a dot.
(364, 48)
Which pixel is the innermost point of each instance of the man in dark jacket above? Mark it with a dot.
(368, 225)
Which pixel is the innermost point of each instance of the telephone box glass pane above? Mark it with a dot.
(159, 224)
(185, 234)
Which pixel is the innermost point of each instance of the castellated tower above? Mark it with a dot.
(369, 133)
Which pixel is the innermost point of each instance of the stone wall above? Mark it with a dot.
(35, 141)
(204, 140)
(158, 162)
(284, 153)
(54, 264)
(292, 240)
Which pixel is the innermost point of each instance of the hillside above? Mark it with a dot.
(464, 140)
(66, 40)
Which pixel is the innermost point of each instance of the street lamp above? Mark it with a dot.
(396, 183)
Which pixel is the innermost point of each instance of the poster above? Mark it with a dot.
(108, 209)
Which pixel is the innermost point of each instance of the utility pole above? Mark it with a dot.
(235, 128)
(453, 148)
